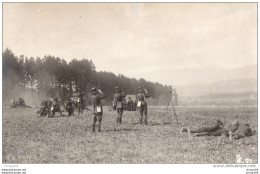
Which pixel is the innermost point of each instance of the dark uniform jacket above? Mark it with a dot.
(55, 106)
(96, 101)
(119, 99)
(243, 131)
(80, 97)
(130, 103)
(140, 97)
(212, 128)
(68, 105)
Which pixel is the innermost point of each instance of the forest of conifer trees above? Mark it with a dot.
(55, 77)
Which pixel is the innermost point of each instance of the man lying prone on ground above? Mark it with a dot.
(213, 130)
(231, 130)
(243, 131)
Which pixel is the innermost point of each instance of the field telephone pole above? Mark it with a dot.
(171, 104)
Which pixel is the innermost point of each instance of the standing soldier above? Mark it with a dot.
(118, 102)
(96, 97)
(69, 106)
(141, 95)
(80, 102)
(135, 105)
(130, 104)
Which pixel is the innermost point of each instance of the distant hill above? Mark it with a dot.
(188, 76)
(220, 87)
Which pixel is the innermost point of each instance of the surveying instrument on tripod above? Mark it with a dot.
(171, 104)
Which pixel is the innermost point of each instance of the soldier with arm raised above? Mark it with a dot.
(118, 101)
(141, 95)
(96, 97)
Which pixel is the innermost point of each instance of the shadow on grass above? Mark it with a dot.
(156, 124)
(121, 130)
(63, 116)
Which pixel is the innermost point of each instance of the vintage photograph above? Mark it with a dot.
(129, 83)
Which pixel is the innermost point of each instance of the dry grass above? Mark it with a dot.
(28, 138)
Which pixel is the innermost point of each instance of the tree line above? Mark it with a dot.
(55, 77)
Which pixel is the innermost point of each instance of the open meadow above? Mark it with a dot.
(28, 138)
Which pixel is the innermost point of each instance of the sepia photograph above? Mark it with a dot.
(129, 83)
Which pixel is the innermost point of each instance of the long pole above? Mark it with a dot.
(175, 115)
(171, 101)
(168, 105)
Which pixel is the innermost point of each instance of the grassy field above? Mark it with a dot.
(28, 138)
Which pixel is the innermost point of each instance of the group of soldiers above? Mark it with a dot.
(118, 105)
(131, 105)
(50, 106)
(128, 104)
(20, 103)
(233, 130)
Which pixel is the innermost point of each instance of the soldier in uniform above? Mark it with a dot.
(118, 102)
(69, 106)
(80, 102)
(218, 125)
(44, 108)
(124, 104)
(218, 129)
(141, 95)
(96, 97)
(135, 105)
(55, 107)
(130, 104)
(243, 131)
(21, 102)
(16, 104)
(114, 105)
(48, 103)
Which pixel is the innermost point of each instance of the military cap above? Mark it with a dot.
(140, 88)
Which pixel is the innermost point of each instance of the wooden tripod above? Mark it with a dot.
(170, 102)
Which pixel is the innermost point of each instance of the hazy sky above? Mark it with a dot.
(133, 38)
